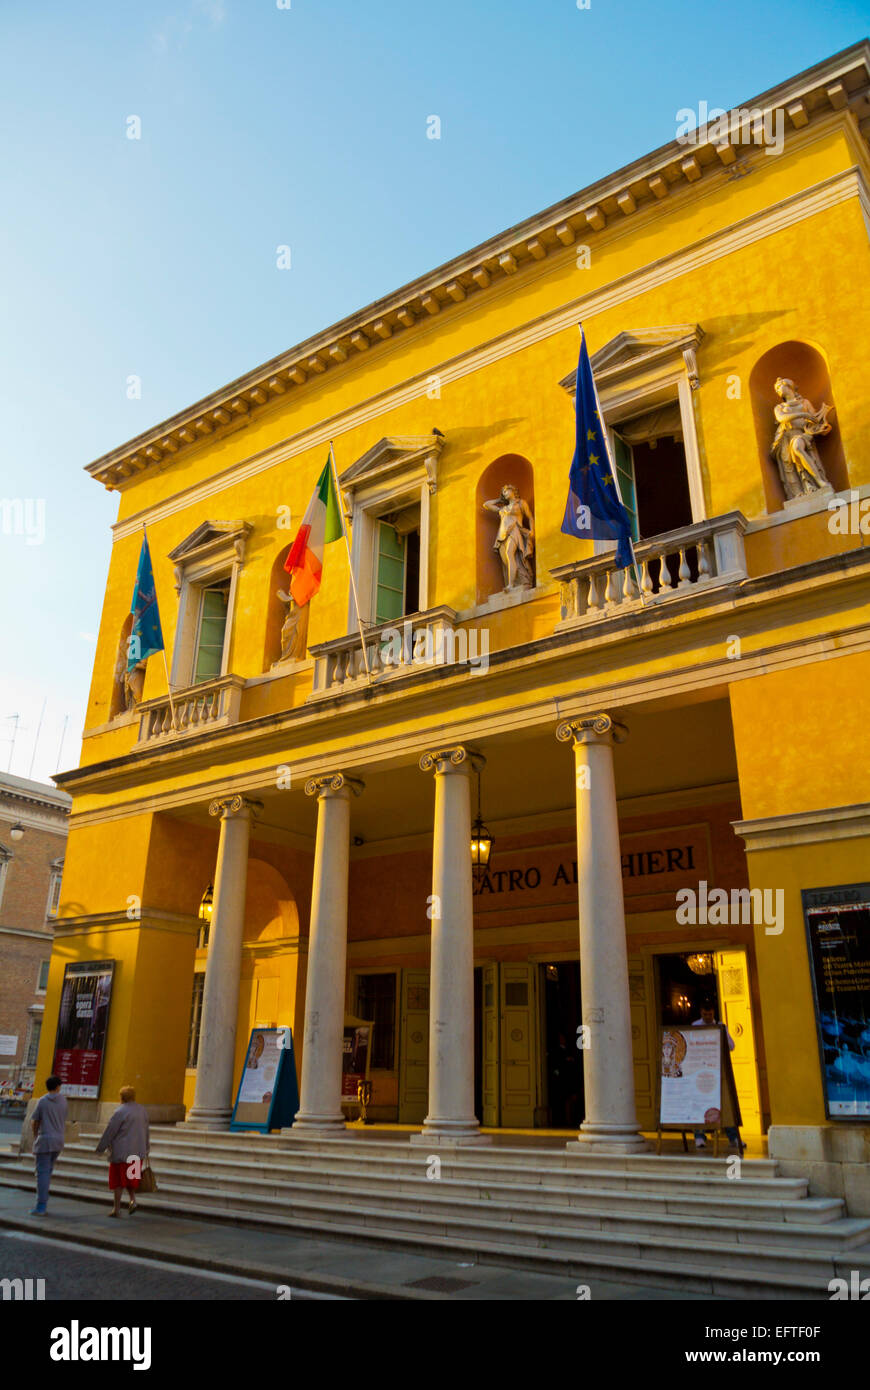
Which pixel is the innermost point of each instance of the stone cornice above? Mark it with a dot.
(838, 83)
(805, 827)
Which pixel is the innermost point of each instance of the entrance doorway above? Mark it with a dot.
(563, 1059)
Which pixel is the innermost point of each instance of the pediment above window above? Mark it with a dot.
(395, 459)
(212, 541)
(643, 351)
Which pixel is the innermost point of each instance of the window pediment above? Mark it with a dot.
(394, 459)
(643, 350)
(209, 539)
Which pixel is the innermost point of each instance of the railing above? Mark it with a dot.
(209, 705)
(393, 649)
(706, 555)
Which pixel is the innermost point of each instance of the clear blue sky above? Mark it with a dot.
(262, 127)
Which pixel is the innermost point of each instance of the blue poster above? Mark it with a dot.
(838, 932)
(268, 1094)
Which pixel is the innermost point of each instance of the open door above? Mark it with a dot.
(490, 1067)
(518, 1038)
(414, 1048)
(732, 977)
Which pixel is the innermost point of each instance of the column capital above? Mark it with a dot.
(334, 784)
(455, 759)
(592, 728)
(228, 807)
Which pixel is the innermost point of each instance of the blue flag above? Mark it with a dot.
(593, 510)
(146, 636)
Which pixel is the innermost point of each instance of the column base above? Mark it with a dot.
(206, 1119)
(450, 1134)
(317, 1127)
(608, 1139)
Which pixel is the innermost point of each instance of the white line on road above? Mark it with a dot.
(235, 1279)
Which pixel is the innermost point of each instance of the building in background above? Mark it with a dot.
(34, 820)
(636, 743)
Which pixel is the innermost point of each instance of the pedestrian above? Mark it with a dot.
(48, 1123)
(128, 1141)
(708, 1020)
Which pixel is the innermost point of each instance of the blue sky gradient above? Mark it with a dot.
(263, 127)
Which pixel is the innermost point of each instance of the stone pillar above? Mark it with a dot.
(610, 1125)
(213, 1100)
(320, 1098)
(451, 1119)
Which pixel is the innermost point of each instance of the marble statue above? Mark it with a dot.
(514, 542)
(794, 449)
(294, 629)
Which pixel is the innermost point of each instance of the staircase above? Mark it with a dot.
(675, 1221)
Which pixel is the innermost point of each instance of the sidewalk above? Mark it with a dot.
(321, 1266)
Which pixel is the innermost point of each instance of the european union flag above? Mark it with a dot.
(593, 510)
(146, 636)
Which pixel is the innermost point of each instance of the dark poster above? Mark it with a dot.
(81, 1027)
(838, 932)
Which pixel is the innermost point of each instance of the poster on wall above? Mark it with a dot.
(838, 933)
(81, 1027)
(268, 1094)
(355, 1056)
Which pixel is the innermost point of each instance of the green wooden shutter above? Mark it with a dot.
(390, 585)
(622, 458)
(212, 631)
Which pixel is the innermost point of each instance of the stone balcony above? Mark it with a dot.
(706, 555)
(393, 649)
(209, 705)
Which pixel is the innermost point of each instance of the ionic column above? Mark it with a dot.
(610, 1125)
(213, 1100)
(451, 1118)
(320, 1099)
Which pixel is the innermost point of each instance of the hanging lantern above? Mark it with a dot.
(206, 904)
(481, 843)
(17, 831)
(700, 963)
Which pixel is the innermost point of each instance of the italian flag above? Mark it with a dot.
(320, 525)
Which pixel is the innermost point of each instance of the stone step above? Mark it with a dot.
(718, 1197)
(738, 1270)
(441, 1198)
(711, 1179)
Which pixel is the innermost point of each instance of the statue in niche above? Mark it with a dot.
(133, 683)
(294, 629)
(794, 449)
(514, 542)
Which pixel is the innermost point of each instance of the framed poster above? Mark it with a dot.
(268, 1094)
(696, 1083)
(355, 1055)
(838, 936)
(81, 1027)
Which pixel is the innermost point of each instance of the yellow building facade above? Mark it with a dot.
(703, 730)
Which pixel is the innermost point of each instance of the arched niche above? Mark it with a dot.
(270, 906)
(276, 612)
(119, 702)
(805, 365)
(508, 468)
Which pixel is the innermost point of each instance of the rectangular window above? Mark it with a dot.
(376, 1002)
(53, 894)
(33, 1042)
(42, 979)
(390, 574)
(195, 1020)
(211, 632)
(624, 465)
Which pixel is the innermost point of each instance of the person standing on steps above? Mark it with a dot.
(48, 1123)
(127, 1138)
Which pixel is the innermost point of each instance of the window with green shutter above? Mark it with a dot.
(212, 632)
(390, 574)
(624, 463)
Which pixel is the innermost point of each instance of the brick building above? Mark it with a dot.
(33, 830)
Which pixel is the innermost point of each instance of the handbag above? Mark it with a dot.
(148, 1181)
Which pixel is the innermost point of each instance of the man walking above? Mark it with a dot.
(48, 1123)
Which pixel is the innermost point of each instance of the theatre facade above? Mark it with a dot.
(671, 764)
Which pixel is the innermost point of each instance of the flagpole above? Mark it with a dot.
(345, 522)
(613, 473)
(165, 667)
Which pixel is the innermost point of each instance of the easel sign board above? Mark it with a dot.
(356, 1052)
(696, 1083)
(268, 1094)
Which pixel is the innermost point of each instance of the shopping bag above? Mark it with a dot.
(147, 1182)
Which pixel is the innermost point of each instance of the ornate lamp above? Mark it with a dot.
(481, 843)
(17, 831)
(700, 963)
(206, 905)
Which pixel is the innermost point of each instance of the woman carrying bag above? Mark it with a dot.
(128, 1140)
